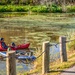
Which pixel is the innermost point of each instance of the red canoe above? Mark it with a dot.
(18, 47)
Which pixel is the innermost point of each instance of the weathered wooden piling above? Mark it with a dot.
(45, 57)
(63, 54)
(11, 63)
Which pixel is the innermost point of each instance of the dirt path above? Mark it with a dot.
(70, 71)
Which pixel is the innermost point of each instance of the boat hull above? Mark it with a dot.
(18, 47)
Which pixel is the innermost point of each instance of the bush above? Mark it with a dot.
(70, 8)
(40, 9)
(6, 8)
(43, 9)
(19, 9)
(10, 8)
(54, 8)
(22, 9)
(59, 9)
(2, 9)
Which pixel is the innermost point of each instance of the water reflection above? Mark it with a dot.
(21, 35)
(20, 67)
(2, 68)
(54, 52)
(11, 35)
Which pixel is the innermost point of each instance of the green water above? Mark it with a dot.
(36, 28)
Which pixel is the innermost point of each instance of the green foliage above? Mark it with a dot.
(39, 9)
(54, 8)
(6, 8)
(45, 9)
(71, 8)
(21, 9)
(13, 8)
(2, 9)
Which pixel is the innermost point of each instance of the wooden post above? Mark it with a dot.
(11, 63)
(63, 54)
(45, 57)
